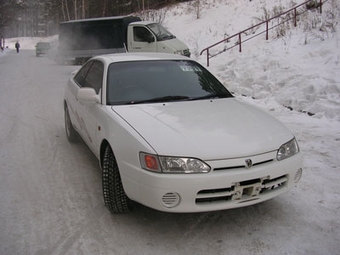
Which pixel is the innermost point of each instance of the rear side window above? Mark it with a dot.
(80, 76)
(91, 75)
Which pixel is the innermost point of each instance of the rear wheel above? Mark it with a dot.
(71, 133)
(114, 195)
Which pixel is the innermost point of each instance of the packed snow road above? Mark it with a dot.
(51, 198)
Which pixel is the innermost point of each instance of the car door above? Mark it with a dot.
(71, 96)
(89, 111)
(143, 40)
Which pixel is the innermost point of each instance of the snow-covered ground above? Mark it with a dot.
(50, 209)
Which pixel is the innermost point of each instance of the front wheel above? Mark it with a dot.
(115, 198)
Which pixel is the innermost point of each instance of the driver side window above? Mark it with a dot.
(141, 34)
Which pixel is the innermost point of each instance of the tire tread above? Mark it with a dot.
(115, 198)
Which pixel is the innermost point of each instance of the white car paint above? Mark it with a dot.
(224, 133)
(206, 129)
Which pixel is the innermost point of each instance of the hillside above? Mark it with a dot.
(298, 70)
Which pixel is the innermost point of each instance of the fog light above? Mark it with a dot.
(170, 200)
(298, 175)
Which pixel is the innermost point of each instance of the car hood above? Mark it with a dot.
(206, 129)
(175, 44)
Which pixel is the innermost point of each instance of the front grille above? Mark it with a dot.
(245, 190)
(273, 184)
(186, 53)
(213, 195)
(243, 166)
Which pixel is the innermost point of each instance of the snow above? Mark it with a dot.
(299, 70)
(28, 43)
(51, 201)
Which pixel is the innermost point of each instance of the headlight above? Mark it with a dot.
(179, 52)
(287, 150)
(177, 165)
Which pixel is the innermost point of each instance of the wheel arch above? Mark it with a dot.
(103, 145)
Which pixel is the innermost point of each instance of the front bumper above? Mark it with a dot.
(41, 52)
(229, 185)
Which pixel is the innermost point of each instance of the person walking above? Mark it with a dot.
(17, 46)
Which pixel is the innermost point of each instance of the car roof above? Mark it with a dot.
(145, 23)
(97, 19)
(142, 56)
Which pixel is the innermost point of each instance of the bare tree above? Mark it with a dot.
(83, 9)
(104, 7)
(42, 17)
(75, 9)
(197, 4)
(65, 10)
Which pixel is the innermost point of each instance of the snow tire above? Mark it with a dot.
(115, 198)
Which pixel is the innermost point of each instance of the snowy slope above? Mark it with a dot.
(299, 70)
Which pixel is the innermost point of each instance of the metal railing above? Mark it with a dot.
(238, 36)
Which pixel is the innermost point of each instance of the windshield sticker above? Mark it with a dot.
(189, 68)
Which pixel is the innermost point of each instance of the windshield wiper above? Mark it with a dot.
(161, 99)
(209, 96)
(168, 37)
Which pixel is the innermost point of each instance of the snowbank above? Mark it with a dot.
(299, 70)
(28, 43)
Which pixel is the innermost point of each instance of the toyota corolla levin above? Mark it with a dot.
(170, 136)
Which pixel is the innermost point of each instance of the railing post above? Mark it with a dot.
(239, 40)
(320, 6)
(208, 57)
(296, 13)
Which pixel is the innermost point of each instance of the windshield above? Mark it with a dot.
(161, 81)
(161, 33)
(43, 45)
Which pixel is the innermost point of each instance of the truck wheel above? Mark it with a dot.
(71, 133)
(114, 195)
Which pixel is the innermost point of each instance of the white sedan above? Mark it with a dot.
(170, 136)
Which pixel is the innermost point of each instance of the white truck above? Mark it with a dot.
(83, 39)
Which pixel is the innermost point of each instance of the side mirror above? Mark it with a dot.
(149, 38)
(88, 95)
(73, 73)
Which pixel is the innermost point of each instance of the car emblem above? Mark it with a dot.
(249, 163)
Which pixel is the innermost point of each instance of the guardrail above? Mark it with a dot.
(238, 36)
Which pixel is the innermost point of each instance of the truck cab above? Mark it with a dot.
(83, 39)
(147, 36)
